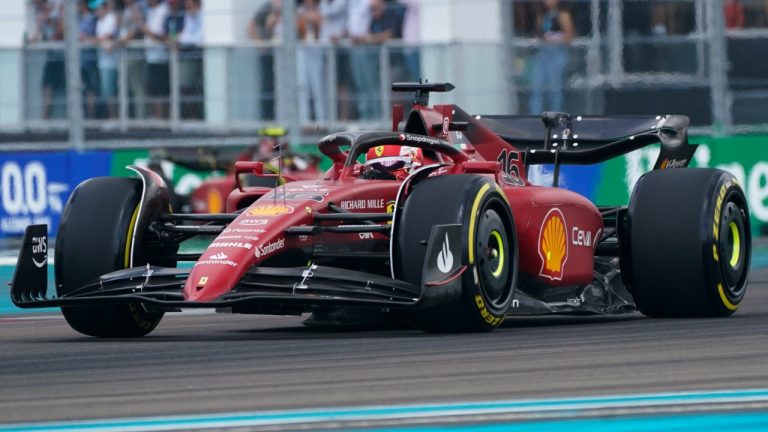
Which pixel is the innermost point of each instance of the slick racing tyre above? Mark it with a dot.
(489, 244)
(690, 243)
(95, 238)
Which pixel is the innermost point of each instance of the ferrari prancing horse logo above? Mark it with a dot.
(553, 245)
(379, 150)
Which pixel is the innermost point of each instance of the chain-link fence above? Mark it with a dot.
(701, 58)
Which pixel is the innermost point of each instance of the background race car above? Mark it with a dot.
(210, 195)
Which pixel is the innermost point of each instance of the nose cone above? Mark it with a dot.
(218, 270)
(257, 234)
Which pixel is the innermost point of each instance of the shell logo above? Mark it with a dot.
(270, 210)
(553, 245)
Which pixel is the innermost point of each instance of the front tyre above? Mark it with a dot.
(487, 286)
(690, 243)
(95, 237)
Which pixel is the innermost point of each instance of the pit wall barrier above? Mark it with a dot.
(35, 186)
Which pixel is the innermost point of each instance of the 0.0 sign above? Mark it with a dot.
(24, 190)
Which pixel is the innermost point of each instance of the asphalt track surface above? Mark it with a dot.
(212, 363)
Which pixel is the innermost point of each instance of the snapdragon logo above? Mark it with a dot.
(419, 139)
(269, 248)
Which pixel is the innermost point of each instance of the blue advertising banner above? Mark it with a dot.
(34, 187)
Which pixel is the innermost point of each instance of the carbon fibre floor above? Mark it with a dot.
(222, 363)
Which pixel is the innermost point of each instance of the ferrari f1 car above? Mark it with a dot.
(457, 244)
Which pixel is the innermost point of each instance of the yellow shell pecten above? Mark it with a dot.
(553, 244)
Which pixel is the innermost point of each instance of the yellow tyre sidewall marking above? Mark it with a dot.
(483, 190)
(129, 238)
(727, 303)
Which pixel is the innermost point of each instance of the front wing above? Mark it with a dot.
(163, 286)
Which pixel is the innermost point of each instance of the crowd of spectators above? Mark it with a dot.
(111, 29)
(355, 27)
(110, 32)
(143, 33)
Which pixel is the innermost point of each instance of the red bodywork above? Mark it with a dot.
(558, 230)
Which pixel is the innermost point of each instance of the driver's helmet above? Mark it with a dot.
(392, 162)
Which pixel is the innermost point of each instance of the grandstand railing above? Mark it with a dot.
(240, 87)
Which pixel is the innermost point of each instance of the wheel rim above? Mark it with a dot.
(733, 248)
(493, 258)
(735, 240)
(496, 253)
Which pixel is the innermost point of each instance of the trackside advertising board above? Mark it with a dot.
(34, 187)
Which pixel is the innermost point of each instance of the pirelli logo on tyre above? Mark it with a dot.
(553, 245)
(487, 315)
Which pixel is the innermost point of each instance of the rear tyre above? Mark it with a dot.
(489, 243)
(690, 243)
(94, 238)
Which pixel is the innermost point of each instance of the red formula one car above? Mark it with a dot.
(438, 225)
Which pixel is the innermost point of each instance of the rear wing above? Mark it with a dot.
(555, 138)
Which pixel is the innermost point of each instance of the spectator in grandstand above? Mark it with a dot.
(191, 35)
(257, 27)
(106, 34)
(411, 33)
(363, 59)
(310, 63)
(332, 31)
(555, 30)
(734, 14)
(174, 22)
(386, 21)
(89, 67)
(189, 43)
(156, 54)
(131, 23)
(334, 20)
(50, 29)
(258, 30)
(274, 22)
